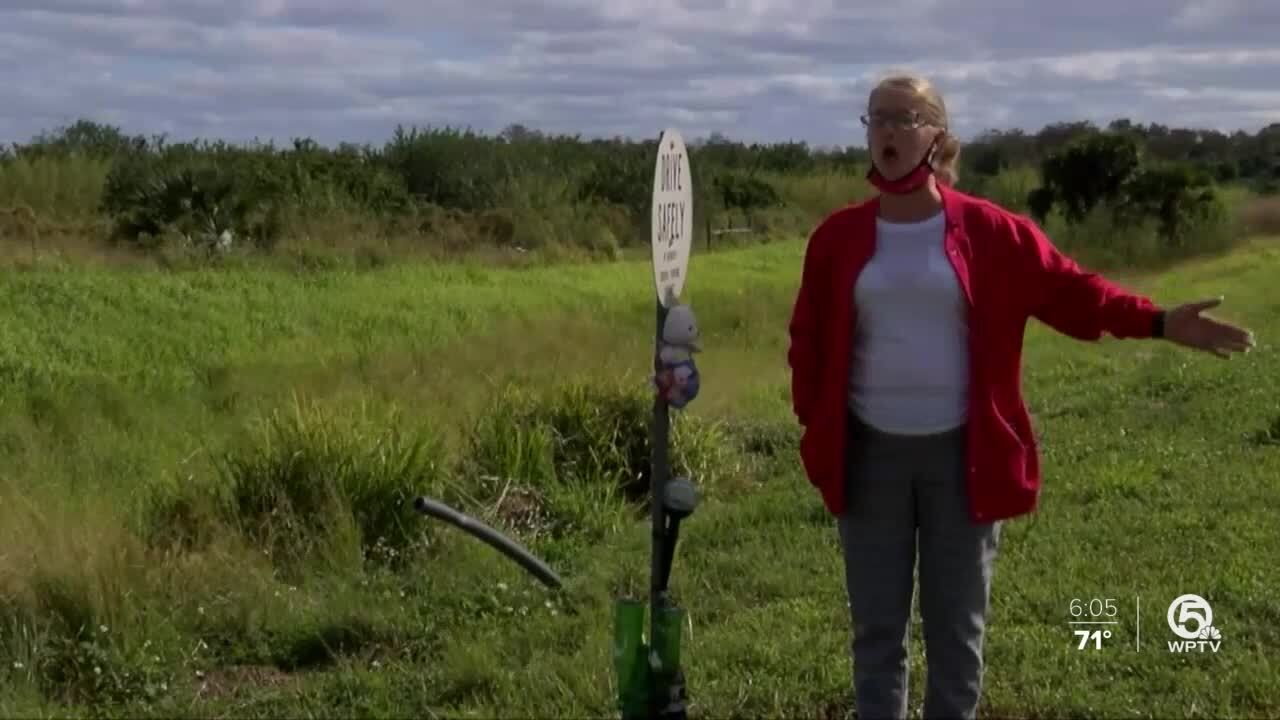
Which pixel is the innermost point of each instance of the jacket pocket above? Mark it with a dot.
(1014, 451)
(813, 453)
(1007, 431)
(806, 384)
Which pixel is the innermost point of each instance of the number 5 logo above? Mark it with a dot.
(1189, 607)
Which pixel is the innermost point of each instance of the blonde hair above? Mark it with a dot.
(947, 156)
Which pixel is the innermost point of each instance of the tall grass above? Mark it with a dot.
(1260, 215)
(60, 189)
(817, 194)
(1099, 242)
(1009, 188)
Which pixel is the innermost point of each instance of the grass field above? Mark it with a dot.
(198, 511)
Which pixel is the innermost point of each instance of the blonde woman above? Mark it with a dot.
(906, 341)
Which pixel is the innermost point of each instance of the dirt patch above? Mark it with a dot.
(523, 509)
(836, 710)
(237, 679)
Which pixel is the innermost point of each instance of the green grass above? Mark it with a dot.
(202, 509)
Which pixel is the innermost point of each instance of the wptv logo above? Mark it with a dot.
(1191, 619)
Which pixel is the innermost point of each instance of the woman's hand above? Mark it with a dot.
(1185, 326)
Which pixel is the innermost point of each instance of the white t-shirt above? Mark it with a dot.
(910, 370)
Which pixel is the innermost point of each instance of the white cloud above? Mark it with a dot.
(1200, 14)
(755, 69)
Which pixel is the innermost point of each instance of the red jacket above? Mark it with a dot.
(1009, 272)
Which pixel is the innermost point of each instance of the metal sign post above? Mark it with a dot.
(650, 679)
(672, 237)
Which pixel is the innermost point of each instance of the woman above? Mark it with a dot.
(906, 342)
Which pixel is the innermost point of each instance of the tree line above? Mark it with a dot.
(207, 188)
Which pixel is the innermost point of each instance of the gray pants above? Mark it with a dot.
(904, 492)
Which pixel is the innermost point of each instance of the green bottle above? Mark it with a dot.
(629, 661)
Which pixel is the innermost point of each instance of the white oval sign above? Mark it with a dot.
(672, 226)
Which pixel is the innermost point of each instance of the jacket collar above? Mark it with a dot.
(956, 241)
(953, 202)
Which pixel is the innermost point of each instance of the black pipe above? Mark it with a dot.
(504, 544)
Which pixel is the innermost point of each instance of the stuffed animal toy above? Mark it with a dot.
(678, 380)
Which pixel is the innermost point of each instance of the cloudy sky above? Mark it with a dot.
(753, 69)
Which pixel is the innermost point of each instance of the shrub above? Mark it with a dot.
(744, 192)
(450, 168)
(1123, 211)
(198, 191)
(1188, 214)
(623, 179)
(1089, 171)
(581, 442)
(203, 205)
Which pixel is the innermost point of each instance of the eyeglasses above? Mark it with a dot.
(898, 121)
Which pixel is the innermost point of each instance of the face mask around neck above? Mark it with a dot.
(908, 183)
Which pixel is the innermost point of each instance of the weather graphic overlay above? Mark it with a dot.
(1094, 622)
(1098, 623)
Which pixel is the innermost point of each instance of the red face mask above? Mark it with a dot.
(908, 183)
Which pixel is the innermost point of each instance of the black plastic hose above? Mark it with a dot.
(504, 544)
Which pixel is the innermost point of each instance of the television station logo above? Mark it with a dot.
(1191, 619)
